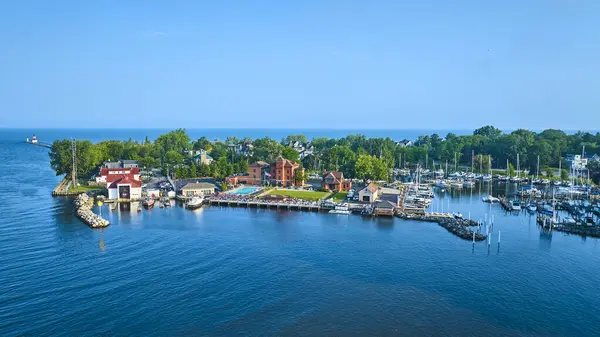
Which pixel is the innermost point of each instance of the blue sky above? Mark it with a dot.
(306, 64)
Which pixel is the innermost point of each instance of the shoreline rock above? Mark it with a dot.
(83, 209)
(458, 227)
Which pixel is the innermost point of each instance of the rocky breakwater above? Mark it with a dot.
(578, 229)
(83, 209)
(456, 226)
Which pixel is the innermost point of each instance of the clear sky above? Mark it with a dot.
(300, 64)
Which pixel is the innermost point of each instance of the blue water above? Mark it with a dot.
(224, 271)
(244, 190)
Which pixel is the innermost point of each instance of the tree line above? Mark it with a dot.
(355, 155)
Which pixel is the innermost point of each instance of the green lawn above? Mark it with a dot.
(340, 196)
(85, 188)
(306, 195)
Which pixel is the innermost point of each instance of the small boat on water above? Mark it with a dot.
(196, 202)
(569, 221)
(490, 199)
(149, 203)
(532, 207)
(469, 184)
(457, 215)
(515, 205)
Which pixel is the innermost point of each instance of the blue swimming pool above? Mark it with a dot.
(244, 190)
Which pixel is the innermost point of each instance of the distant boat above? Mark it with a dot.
(515, 205)
(490, 199)
(532, 207)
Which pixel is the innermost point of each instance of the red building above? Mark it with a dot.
(283, 172)
(109, 175)
(334, 181)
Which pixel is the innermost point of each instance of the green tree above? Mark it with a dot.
(564, 174)
(488, 131)
(364, 167)
(291, 154)
(193, 171)
(177, 141)
(511, 170)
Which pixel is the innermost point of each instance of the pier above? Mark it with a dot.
(48, 146)
(257, 203)
(83, 209)
(456, 226)
(62, 189)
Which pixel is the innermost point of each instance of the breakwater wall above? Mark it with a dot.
(582, 230)
(458, 227)
(83, 209)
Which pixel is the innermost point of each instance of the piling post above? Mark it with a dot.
(473, 237)
(498, 237)
(489, 239)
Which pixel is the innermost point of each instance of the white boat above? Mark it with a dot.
(569, 221)
(171, 194)
(515, 205)
(469, 184)
(487, 177)
(343, 209)
(490, 199)
(532, 207)
(196, 202)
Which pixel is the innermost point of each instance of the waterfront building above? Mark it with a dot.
(280, 173)
(109, 175)
(334, 181)
(121, 164)
(405, 143)
(197, 189)
(370, 193)
(125, 188)
(283, 171)
(384, 207)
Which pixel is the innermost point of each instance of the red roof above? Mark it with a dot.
(127, 180)
(110, 171)
(337, 176)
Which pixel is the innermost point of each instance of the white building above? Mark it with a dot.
(197, 189)
(577, 162)
(125, 188)
(369, 194)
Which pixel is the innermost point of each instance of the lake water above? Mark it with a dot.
(226, 271)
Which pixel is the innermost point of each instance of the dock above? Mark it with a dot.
(456, 226)
(48, 146)
(257, 203)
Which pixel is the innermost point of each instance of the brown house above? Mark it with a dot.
(283, 172)
(334, 181)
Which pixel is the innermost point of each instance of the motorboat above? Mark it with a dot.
(457, 215)
(490, 199)
(486, 177)
(515, 205)
(569, 221)
(149, 203)
(340, 209)
(195, 202)
(532, 207)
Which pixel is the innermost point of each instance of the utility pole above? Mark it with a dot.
(74, 167)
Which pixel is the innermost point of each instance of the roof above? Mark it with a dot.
(260, 163)
(197, 186)
(384, 204)
(372, 187)
(338, 176)
(126, 180)
(127, 161)
(285, 162)
(114, 170)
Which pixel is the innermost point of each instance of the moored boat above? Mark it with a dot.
(196, 202)
(149, 203)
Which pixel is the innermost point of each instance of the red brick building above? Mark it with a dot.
(283, 172)
(334, 181)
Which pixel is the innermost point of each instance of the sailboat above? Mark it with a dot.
(490, 198)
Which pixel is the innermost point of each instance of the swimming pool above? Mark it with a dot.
(244, 190)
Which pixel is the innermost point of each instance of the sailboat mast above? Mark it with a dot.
(537, 173)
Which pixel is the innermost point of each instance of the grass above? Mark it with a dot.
(305, 195)
(340, 196)
(85, 188)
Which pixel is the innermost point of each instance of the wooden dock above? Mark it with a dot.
(257, 203)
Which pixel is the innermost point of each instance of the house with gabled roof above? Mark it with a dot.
(334, 181)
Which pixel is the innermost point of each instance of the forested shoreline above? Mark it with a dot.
(355, 155)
